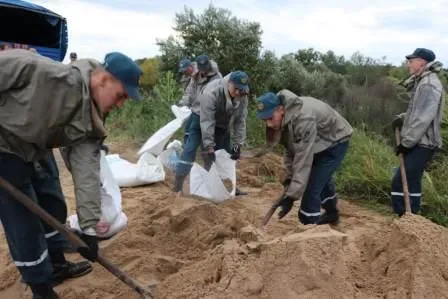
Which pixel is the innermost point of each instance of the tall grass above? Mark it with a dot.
(368, 169)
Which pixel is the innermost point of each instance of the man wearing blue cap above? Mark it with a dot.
(45, 105)
(222, 102)
(187, 69)
(420, 126)
(315, 137)
(206, 70)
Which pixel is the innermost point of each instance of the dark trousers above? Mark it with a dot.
(320, 190)
(415, 163)
(32, 242)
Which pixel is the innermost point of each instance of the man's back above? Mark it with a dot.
(31, 87)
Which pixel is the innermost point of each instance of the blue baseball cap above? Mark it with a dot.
(125, 70)
(241, 80)
(266, 105)
(184, 64)
(203, 63)
(422, 53)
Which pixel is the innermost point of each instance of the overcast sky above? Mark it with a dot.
(390, 28)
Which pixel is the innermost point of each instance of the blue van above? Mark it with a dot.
(26, 25)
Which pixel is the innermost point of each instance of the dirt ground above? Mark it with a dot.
(196, 249)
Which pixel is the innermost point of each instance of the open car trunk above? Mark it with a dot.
(25, 25)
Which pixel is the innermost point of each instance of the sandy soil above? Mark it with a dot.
(195, 249)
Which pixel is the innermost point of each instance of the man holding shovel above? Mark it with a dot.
(45, 104)
(315, 137)
(420, 126)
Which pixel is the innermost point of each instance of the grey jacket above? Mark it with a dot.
(309, 126)
(196, 85)
(45, 104)
(218, 109)
(423, 117)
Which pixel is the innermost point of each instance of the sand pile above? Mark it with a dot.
(196, 249)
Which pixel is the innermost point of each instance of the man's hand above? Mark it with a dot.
(401, 149)
(211, 155)
(285, 205)
(90, 253)
(397, 122)
(104, 148)
(286, 183)
(235, 153)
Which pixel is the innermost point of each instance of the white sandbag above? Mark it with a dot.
(110, 192)
(103, 229)
(171, 155)
(112, 220)
(148, 170)
(209, 185)
(156, 143)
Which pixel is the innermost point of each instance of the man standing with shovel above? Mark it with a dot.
(420, 126)
(45, 104)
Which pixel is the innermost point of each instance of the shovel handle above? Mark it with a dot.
(404, 180)
(72, 237)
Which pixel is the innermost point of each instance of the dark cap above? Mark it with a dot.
(203, 63)
(266, 105)
(422, 53)
(241, 80)
(125, 70)
(184, 64)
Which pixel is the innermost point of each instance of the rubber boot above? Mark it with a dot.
(43, 291)
(238, 192)
(178, 183)
(329, 217)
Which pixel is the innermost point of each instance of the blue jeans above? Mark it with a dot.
(30, 241)
(320, 190)
(191, 146)
(186, 128)
(415, 163)
(194, 141)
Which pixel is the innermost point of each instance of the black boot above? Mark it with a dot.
(238, 192)
(69, 270)
(178, 183)
(43, 291)
(63, 269)
(329, 217)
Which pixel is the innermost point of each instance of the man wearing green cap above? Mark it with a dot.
(315, 137)
(45, 105)
(420, 126)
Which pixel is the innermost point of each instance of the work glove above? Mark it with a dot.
(397, 122)
(235, 153)
(286, 183)
(285, 204)
(104, 148)
(90, 253)
(401, 149)
(211, 156)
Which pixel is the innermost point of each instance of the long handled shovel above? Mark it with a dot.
(73, 238)
(404, 180)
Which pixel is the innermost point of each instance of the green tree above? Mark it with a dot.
(150, 68)
(231, 42)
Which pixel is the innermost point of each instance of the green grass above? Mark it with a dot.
(367, 171)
